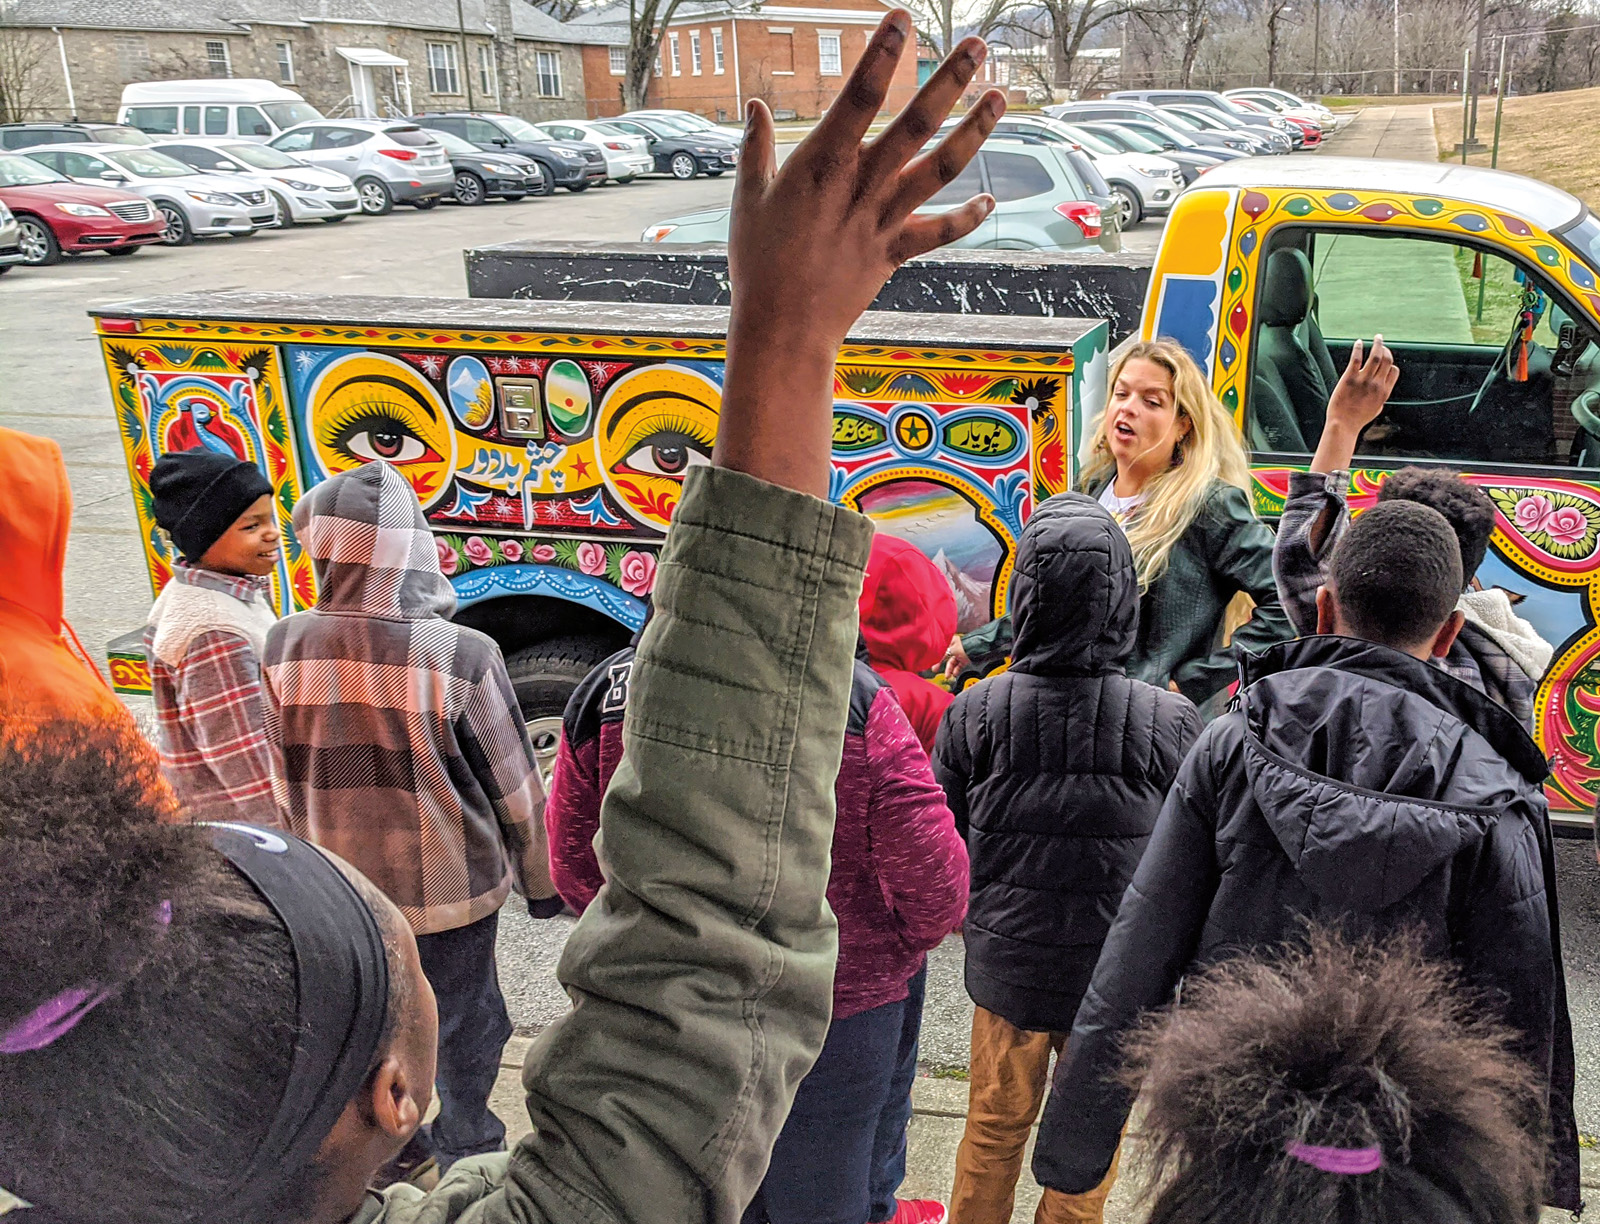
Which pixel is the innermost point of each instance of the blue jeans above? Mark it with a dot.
(842, 1153)
(473, 1031)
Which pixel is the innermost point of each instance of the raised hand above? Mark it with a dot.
(1359, 397)
(812, 242)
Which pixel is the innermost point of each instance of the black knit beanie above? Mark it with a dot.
(199, 494)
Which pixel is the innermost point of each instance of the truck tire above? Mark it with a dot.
(543, 676)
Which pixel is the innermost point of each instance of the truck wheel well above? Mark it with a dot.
(516, 622)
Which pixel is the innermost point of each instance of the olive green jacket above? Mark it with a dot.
(1225, 550)
(701, 977)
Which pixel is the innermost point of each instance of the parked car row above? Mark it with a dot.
(1241, 121)
(67, 188)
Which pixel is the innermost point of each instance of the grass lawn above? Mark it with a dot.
(1554, 137)
(1352, 101)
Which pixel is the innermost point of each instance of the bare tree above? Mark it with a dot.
(561, 10)
(1066, 27)
(647, 29)
(941, 22)
(1275, 11)
(24, 83)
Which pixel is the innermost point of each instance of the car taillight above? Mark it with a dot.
(616, 144)
(400, 154)
(1085, 216)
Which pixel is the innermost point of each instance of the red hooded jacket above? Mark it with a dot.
(908, 616)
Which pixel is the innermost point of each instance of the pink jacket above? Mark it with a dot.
(900, 873)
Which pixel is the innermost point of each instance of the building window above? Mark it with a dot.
(619, 61)
(444, 69)
(549, 63)
(217, 61)
(672, 51)
(829, 61)
(286, 63)
(716, 52)
(133, 56)
(658, 60)
(488, 78)
(694, 51)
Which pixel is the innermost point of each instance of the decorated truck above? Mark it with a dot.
(548, 443)
(548, 440)
(1484, 285)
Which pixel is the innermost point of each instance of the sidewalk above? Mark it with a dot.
(939, 1110)
(1403, 133)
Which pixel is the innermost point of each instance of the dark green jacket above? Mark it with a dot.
(1226, 550)
(701, 977)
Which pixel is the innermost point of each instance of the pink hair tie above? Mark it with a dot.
(1347, 1162)
(57, 1016)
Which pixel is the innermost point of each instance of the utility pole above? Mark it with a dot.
(1397, 47)
(1316, 46)
(1477, 69)
(466, 60)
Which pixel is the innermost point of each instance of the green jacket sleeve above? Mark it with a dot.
(1238, 552)
(701, 977)
(996, 635)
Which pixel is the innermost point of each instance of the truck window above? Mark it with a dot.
(1472, 388)
(191, 121)
(1015, 176)
(216, 121)
(161, 120)
(252, 122)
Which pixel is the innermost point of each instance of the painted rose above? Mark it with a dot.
(477, 551)
(1566, 525)
(591, 558)
(1531, 512)
(511, 550)
(544, 553)
(638, 573)
(447, 556)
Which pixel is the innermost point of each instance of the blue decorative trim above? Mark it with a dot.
(552, 581)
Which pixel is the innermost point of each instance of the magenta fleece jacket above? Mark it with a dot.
(900, 874)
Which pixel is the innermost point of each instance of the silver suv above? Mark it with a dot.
(392, 161)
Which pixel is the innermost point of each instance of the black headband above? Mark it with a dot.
(342, 979)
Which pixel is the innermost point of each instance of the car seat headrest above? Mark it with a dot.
(1286, 293)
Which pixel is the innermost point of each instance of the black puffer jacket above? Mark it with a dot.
(1355, 786)
(1056, 769)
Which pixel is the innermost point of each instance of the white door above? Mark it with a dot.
(362, 92)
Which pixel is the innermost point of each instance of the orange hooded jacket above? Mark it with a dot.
(40, 676)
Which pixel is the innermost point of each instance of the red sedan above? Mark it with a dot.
(1311, 131)
(57, 215)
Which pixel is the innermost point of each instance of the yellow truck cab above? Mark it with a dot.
(1484, 284)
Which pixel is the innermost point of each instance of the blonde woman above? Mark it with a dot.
(1166, 460)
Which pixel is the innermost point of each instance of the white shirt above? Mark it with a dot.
(1119, 507)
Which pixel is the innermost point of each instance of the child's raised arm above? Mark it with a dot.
(701, 976)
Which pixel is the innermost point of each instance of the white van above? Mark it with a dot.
(244, 109)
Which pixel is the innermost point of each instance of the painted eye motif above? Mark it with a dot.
(666, 452)
(381, 435)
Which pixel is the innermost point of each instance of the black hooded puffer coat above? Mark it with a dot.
(1355, 787)
(1056, 769)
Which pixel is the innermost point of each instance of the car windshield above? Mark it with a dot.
(1115, 140)
(606, 129)
(1159, 135)
(1181, 122)
(659, 123)
(147, 163)
(287, 114)
(694, 123)
(1092, 141)
(452, 142)
(260, 156)
(121, 135)
(1203, 121)
(25, 172)
(1138, 142)
(409, 135)
(520, 128)
(1583, 236)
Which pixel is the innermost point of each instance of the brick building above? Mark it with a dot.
(719, 54)
(345, 57)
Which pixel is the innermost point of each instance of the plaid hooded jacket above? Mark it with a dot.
(402, 747)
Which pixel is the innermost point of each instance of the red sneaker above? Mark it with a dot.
(918, 1211)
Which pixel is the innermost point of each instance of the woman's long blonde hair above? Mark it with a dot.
(1211, 449)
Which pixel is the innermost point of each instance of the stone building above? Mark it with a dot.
(345, 57)
(718, 54)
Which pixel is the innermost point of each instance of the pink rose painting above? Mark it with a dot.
(544, 553)
(591, 558)
(478, 551)
(1566, 525)
(447, 556)
(1531, 512)
(638, 573)
(511, 550)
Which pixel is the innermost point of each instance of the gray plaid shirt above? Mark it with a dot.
(1314, 518)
